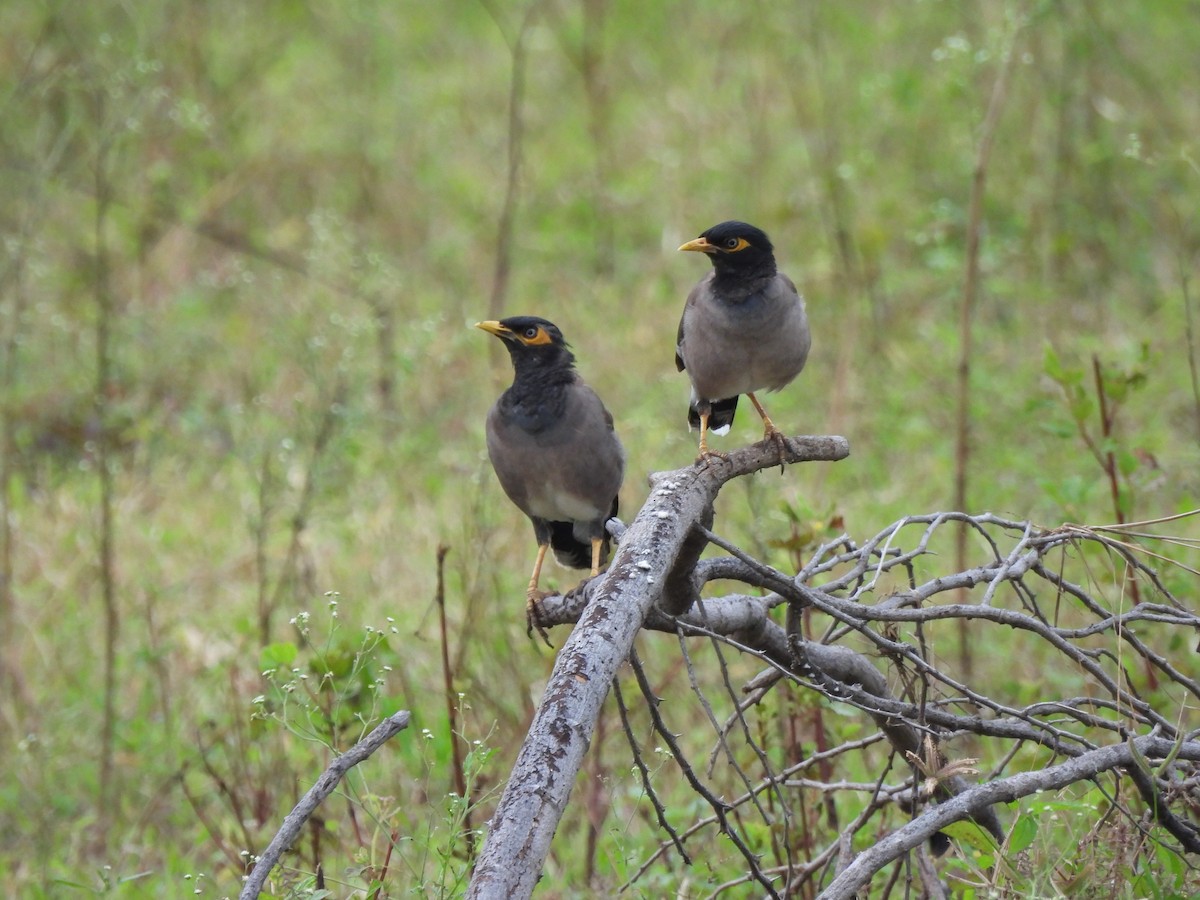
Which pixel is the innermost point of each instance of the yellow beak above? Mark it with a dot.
(700, 244)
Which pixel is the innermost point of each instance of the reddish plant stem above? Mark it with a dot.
(1108, 461)
(962, 440)
(459, 774)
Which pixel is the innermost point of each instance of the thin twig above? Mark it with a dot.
(1190, 337)
(660, 810)
(720, 808)
(1081, 768)
(456, 759)
(700, 824)
(324, 786)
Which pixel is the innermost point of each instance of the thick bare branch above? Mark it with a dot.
(527, 815)
(656, 583)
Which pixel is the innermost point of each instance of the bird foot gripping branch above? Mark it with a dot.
(776, 437)
(533, 616)
(707, 455)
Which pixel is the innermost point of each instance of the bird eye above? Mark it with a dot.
(731, 243)
(531, 332)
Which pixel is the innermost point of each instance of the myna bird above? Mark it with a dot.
(552, 444)
(743, 330)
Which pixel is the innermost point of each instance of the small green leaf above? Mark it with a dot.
(1023, 832)
(1127, 462)
(276, 656)
(1058, 428)
(1082, 407)
(1051, 364)
(1171, 862)
(970, 833)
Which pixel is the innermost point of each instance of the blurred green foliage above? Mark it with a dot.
(301, 205)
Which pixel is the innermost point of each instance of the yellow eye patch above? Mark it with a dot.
(741, 244)
(539, 338)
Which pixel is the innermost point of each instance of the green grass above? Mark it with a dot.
(354, 159)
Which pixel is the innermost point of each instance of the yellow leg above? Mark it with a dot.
(537, 570)
(768, 425)
(705, 454)
(533, 595)
(597, 546)
(770, 431)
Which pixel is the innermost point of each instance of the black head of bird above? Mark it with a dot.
(738, 251)
(554, 449)
(743, 329)
(533, 344)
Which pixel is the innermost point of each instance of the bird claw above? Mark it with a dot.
(706, 456)
(775, 435)
(532, 617)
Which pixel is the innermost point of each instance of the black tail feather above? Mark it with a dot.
(574, 553)
(720, 414)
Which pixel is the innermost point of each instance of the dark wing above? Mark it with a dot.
(691, 300)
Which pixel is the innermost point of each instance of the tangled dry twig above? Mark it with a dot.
(884, 611)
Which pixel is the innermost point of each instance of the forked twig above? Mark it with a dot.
(324, 786)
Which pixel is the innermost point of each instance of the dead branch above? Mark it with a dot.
(848, 676)
(308, 804)
(1086, 767)
(510, 861)
(869, 592)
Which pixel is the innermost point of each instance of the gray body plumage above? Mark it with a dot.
(559, 460)
(743, 329)
(748, 339)
(552, 444)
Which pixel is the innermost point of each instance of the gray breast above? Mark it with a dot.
(759, 341)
